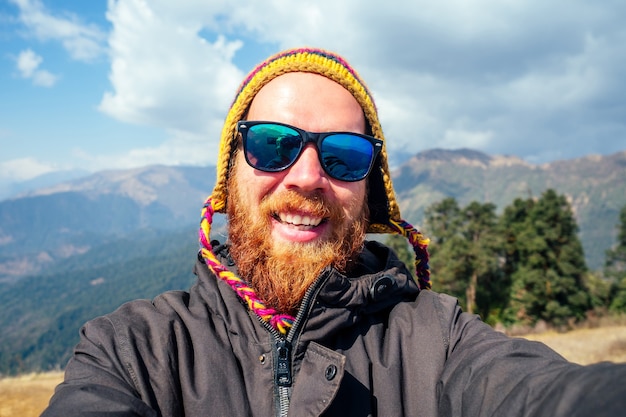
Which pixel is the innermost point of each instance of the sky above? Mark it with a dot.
(98, 85)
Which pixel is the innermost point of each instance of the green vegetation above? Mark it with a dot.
(523, 266)
(545, 260)
(615, 267)
(594, 187)
(464, 247)
(43, 314)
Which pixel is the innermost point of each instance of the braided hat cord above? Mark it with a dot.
(281, 322)
(419, 242)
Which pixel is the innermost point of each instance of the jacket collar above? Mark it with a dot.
(378, 281)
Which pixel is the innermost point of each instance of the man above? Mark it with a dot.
(298, 315)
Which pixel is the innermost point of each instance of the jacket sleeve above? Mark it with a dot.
(97, 382)
(490, 374)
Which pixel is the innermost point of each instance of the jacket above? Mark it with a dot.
(367, 345)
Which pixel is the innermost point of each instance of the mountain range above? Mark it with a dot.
(53, 223)
(595, 186)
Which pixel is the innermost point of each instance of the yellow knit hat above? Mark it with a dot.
(383, 207)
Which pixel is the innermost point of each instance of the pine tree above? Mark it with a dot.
(484, 290)
(546, 261)
(465, 253)
(447, 247)
(615, 265)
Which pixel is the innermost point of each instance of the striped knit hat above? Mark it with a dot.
(383, 207)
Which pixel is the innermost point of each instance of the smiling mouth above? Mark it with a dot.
(303, 222)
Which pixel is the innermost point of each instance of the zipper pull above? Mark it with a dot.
(283, 363)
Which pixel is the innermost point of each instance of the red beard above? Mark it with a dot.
(280, 272)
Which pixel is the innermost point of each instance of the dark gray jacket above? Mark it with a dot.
(372, 345)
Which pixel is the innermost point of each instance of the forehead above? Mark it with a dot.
(309, 101)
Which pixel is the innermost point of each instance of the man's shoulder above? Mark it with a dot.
(438, 299)
(431, 306)
(141, 313)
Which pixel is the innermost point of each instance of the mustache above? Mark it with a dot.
(315, 204)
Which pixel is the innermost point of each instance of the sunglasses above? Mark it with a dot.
(274, 147)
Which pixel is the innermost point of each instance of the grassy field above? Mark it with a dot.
(28, 395)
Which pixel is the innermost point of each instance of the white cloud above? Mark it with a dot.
(502, 77)
(23, 169)
(28, 63)
(44, 78)
(180, 149)
(84, 42)
(457, 138)
(163, 73)
(530, 78)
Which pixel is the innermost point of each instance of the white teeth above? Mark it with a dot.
(299, 220)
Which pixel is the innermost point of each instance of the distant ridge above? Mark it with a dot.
(595, 186)
(61, 220)
(66, 219)
(471, 157)
(458, 155)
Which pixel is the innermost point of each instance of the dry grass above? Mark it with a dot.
(587, 346)
(28, 395)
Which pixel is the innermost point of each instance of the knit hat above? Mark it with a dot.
(383, 207)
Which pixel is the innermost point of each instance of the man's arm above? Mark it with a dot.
(490, 374)
(96, 383)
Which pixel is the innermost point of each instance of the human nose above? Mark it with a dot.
(306, 173)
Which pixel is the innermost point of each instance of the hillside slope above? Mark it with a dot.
(595, 186)
(55, 223)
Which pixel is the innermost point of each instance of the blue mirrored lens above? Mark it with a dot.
(272, 147)
(346, 157)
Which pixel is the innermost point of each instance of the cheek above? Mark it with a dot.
(253, 184)
(351, 196)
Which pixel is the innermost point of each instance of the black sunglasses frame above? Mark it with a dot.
(316, 138)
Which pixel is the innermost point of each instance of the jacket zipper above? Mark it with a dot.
(283, 348)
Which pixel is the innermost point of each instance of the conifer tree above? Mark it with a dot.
(615, 265)
(484, 288)
(465, 249)
(447, 247)
(546, 261)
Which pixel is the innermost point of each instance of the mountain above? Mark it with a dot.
(41, 314)
(595, 186)
(57, 222)
(10, 189)
(44, 226)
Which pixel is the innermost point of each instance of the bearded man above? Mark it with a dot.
(297, 314)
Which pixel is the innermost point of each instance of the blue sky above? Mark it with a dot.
(95, 85)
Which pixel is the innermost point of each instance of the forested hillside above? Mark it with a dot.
(55, 223)
(41, 314)
(595, 186)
